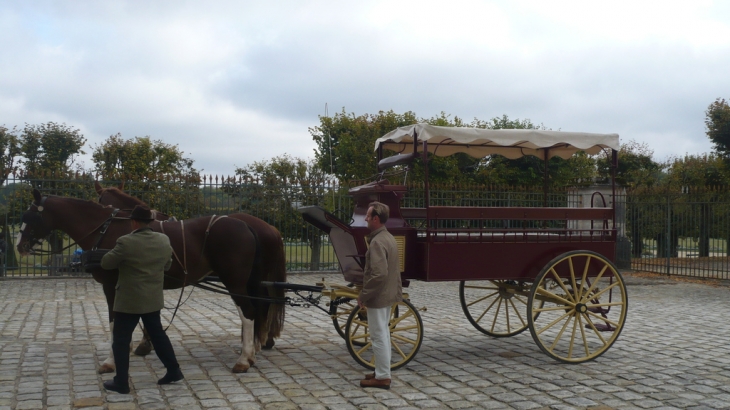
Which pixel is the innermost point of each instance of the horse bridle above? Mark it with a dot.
(102, 227)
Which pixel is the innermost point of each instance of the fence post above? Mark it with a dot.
(668, 240)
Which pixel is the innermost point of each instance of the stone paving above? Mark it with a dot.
(672, 354)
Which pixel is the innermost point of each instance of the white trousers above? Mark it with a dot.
(380, 335)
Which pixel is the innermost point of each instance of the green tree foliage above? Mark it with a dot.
(140, 158)
(9, 152)
(273, 190)
(697, 171)
(345, 145)
(636, 167)
(717, 122)
(530, 170)
(143, 164)
(345, 142)
(50, 147)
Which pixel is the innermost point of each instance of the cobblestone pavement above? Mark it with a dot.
(672, 354)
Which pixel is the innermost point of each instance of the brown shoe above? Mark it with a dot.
(370, 376)
(377, 383)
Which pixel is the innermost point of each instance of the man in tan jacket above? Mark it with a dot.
(382, 287)
(141, 257)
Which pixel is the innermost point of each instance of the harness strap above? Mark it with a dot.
(104, 227)
(183, 264)
(213, 220)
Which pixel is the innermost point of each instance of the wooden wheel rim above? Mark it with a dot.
(406, 335)
(582, 313)
(496, 307)
(340, 312)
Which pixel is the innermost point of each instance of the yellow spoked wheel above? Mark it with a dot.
(406, 335)
(340, 310)
(578, 304)
(496, 307)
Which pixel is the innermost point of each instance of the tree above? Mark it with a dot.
(345, 142)
(146, 166)
(717, 121)
(50, 147)
(274, 189)
(140, 158)
(697, 171)
(9, 152)
(345, 148)
(697, 177)
(636, 166)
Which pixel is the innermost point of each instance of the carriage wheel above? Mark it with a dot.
(578, 304)
(497, 307)
(406, 335)
(340, 310)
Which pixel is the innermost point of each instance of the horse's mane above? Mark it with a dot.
(124, 196)
(78, 201)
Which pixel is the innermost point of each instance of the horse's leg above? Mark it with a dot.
(145, 345)
(248, 353)
(108, 365)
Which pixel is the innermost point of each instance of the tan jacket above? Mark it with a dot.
(381, 282)
(141, 257)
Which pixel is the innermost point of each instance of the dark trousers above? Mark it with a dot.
(124, 324)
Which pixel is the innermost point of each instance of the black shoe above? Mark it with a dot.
(171, 377)
(111, 385)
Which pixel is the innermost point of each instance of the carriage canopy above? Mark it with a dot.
(480, 142)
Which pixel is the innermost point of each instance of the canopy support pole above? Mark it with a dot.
(546, 175)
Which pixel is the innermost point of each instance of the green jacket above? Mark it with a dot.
(141, 257)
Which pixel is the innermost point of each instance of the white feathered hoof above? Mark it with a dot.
(107, 368)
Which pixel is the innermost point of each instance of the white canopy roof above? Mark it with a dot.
(479, 142)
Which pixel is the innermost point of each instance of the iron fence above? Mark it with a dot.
(680, 231)
(673, 232)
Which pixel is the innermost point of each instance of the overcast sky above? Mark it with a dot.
(232, 82)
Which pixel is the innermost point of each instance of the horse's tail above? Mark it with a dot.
(260, 325)
(276, 273)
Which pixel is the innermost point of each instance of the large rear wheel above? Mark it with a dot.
(406, 335)
(578, 307)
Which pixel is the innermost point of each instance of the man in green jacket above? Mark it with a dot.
(141, 258)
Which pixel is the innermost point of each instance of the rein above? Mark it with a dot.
(184, 263)
(102, 227)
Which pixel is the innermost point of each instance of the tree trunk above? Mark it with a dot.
(704, 240)
(315, 245)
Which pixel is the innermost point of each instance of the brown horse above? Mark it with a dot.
(273, 258)
(201, 246)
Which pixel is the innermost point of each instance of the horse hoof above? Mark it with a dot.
(240, 368)
(107, 368)
(269, 344)
(143, 349)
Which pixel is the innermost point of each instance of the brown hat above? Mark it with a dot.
(142, 213)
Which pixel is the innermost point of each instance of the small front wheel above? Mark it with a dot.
(406, 335)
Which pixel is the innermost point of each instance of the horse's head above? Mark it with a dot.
(117, 198)
(34, 228)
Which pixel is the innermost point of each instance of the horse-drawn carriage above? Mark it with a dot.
(546, 269)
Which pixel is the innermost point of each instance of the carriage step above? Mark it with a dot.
(211, 278)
